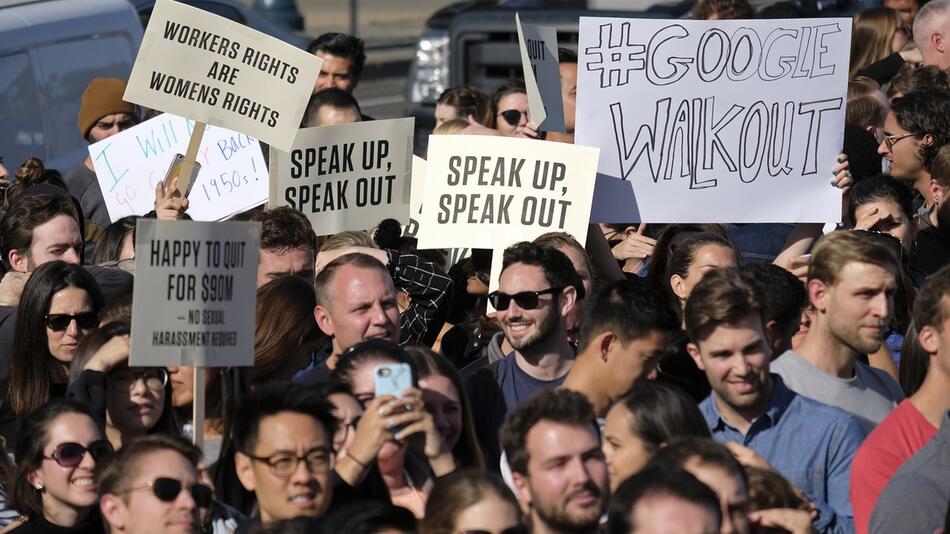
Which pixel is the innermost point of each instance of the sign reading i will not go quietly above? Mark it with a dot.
(481, 191)
(216, 71)
(714, 121)
(346, 177)
(130, 164)
(542, 74)
(194, 294)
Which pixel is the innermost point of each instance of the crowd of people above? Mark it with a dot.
(676, 378)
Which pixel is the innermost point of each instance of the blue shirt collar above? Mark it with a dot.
(781, 398)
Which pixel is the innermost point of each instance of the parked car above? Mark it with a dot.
(232, 10)
(49, 51)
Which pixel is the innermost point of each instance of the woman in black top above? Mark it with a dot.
(54, 487)
(61, 303)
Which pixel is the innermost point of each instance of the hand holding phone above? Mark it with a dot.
(392, 379)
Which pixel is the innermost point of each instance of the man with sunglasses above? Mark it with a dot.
(851, 285)
(152, 487)
(917, 125)
(282, 434)
(537, 290)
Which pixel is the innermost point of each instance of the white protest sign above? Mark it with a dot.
(484, 190)
(542, 75)
(195, 291)
(346, 177)
(216, 71)
(713, 121)
(130, 164)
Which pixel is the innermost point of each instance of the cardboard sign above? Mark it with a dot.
(482, 190)
(714, 121)
(542, 76)
(346, 177)
(195, 293)
(213, 70)
(130, 164)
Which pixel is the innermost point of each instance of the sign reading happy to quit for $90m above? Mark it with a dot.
(205, 67)
(194, 294)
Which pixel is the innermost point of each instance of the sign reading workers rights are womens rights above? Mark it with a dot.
(212, 70)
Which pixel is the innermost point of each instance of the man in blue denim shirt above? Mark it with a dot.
(752, 411)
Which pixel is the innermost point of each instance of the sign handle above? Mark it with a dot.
(188, 164)
(198, 406)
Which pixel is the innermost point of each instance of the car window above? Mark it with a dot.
(67, 68)
(21, 134)
(226, 11)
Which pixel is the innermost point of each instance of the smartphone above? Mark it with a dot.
(392, 379)
(175, 169)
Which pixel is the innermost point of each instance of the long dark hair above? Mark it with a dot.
(662, 412)
(33, 370)
(285, 325)
(369, 350)
(507, 88)
(109, 243)
(168, 423)
(31, 441)
(428, 363)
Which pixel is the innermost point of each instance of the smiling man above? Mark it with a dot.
(536, 293)
(809, 443)
(851, 285)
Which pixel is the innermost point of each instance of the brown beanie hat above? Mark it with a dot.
(103, 96)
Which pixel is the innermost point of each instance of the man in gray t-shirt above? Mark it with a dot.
(915, 500)
(851, 285)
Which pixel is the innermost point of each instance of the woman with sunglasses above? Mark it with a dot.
(508, 111)
(59, 306)
(472, 502)
(388, 427)
(133, 401)
(60, 449)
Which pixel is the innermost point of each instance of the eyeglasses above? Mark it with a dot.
(512, 116)
(71, 454)
(57, 322)
(343, 432)
(124, 380)
(891, 140)
(892, 243)
(283, 465)
(167, 489)
(526, 300)
(519, 529)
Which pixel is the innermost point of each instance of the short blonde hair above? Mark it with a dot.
(451, 127)
(348, 239)
(838, 249)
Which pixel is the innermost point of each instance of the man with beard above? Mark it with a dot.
(851, 285)
(559, 471)
(536, 293)
(917, 125)
(752, 411)
(932, 250)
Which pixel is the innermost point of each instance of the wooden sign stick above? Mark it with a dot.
(198, 405)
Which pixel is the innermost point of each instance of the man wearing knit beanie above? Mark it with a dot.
(102, 113)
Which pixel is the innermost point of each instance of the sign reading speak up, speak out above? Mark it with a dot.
(213, 70)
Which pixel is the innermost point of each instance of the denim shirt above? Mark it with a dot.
(811, 444)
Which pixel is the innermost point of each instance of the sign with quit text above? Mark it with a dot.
(194, 295)
(346, 177)
(542, 74)
(714, 121)
(212, 70)
(482, 191)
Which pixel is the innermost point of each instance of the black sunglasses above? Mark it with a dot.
(526, 300)
(71, 454)
(167, 490)
(512, 116)
(57, 322)
(520, 529)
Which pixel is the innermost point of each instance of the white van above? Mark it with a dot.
(49, 51)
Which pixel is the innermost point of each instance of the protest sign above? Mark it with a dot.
(130, 164)
(542, 75)
(714, 121)
(194, 294)
(216, 71)
(482, 191)
(346, 177)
